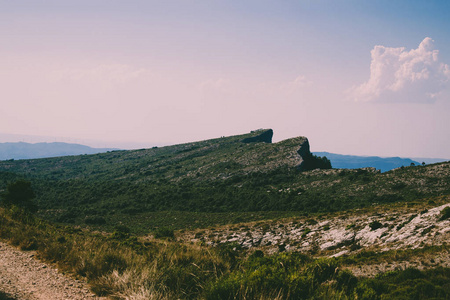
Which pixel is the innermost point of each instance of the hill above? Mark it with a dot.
(244, 177)
(236, 217)
(383, 164)
(23, 150)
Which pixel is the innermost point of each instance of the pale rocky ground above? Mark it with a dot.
(345, 234)
(24, 277)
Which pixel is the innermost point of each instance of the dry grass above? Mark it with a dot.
(125, 268)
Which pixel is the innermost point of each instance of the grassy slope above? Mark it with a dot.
(233, 178)
(122, 265)
(204, 160)
(209, 182)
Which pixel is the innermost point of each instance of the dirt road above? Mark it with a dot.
(24, 277)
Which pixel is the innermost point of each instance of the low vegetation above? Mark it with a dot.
(208, 183)
(445, 215)
(117, 220)
(123, 265)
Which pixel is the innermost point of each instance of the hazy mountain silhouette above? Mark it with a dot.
(23, 150)
(384, 164)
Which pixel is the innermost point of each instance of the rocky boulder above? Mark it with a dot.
(264, 137)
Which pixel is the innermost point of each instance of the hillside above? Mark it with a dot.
(244, 177)
(23, 150)
(206, 160)
(236, 217)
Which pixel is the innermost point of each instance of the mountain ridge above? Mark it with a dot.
(384, 164)
(222, 175)
(23, 150)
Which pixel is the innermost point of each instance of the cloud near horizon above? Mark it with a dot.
(299, 83)
(397, 75)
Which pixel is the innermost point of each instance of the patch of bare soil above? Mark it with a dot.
(24, 277)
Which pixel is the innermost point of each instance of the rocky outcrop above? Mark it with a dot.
(304, 153)
(384, 229)
(310, 161)
(264, 137)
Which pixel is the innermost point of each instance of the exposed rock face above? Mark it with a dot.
(398, 229)
(304, 153)
(310, 161)
(265, 137)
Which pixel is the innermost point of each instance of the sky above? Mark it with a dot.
(355, 77)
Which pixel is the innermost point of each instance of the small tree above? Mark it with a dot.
(20, 194)
(312, 162)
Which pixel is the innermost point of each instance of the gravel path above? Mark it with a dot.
(24, 277)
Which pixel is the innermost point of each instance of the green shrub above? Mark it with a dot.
(374, 225)
(20, 194)
(445, 214)
(284, 276)
(311, 222)
(364, 291)
(406, 284)
(321, 270)
(305, 232)
(312, 162)
(277, 275)
(94, 220)
(350, 226)
(164, 232)
(256, 254)
(122, 228)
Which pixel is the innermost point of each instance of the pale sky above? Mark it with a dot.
(355, 77)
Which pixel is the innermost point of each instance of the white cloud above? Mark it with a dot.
(301, 81)
(397, 75)
(298, 84)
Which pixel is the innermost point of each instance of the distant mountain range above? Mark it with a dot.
(384, 164)
(23, 150)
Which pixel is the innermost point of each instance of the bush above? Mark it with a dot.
(406, 284)
(375, 225)
(94, 220)
(284, 276)
(364, 291)
(312, 162)
(122, 228)
(164, 232)
(445, 213)
(20, 194)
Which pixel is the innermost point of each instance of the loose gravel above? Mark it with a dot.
(24, 277)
